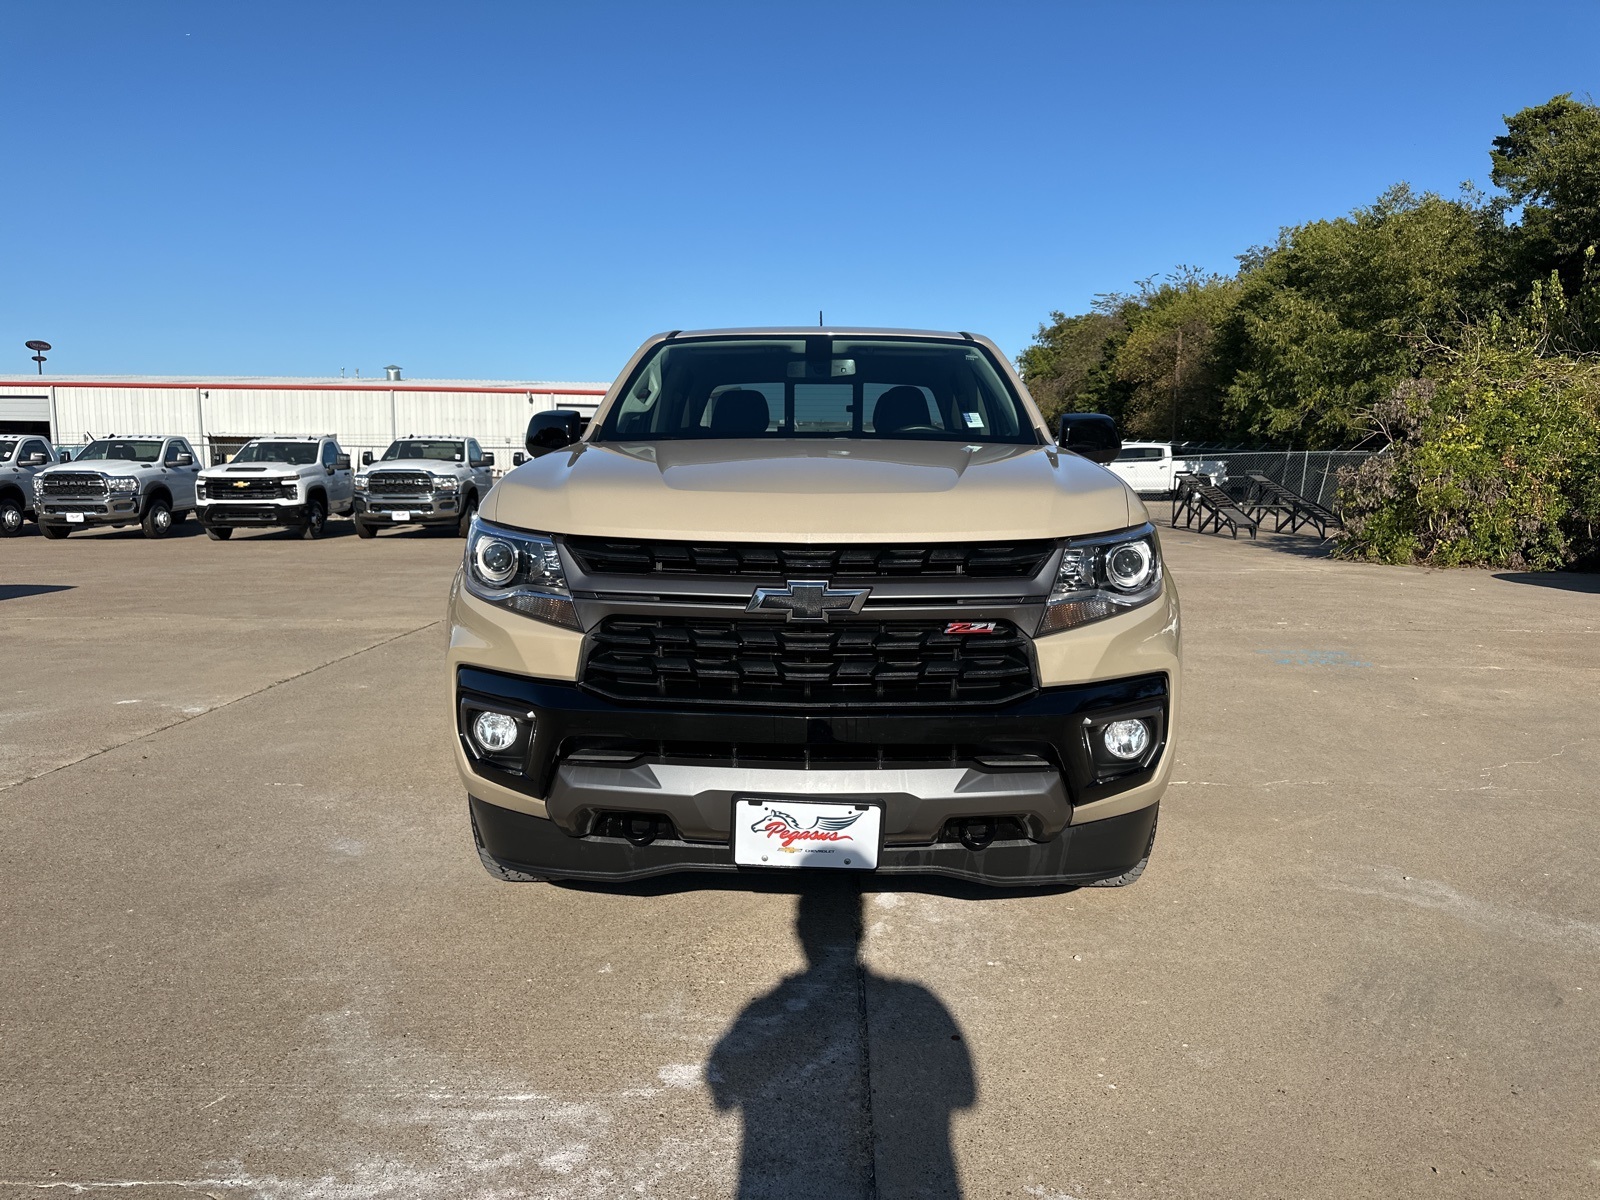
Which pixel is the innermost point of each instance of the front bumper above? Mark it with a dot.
(419, 510)
(1079, 854)
(986, 794)
(116, 509)
(226, 514)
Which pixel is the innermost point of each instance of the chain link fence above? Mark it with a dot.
(1313, 474)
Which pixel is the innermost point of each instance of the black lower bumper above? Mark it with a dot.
(228, 516)
(1080, 854)
(381, 512)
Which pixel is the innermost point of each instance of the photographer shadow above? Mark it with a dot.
(847, 1080)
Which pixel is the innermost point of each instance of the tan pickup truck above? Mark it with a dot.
(819, 599)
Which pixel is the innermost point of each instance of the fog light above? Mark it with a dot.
(495, 732)
(1126, 739)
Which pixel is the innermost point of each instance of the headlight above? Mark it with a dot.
(519, 571)
(446, 483)
(361, 483)
(289, 489)
(122, 483)
(1102, 576)
(200, 489)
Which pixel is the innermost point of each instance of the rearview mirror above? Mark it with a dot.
(366, 458)
(1092, 435)
(341, 463)
(553, 430)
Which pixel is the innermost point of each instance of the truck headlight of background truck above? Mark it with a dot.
(519, 571)
(1104, 575)
(122, 483)
(446, 483)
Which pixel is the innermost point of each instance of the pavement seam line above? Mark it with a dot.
(184, 720)
(865, 1028)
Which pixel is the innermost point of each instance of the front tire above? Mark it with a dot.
(219, 533)
(10, 517)
(157, 520)
(363, 530)
(471, 511)
(316, 519)
(54, 532)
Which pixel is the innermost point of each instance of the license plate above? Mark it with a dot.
(402, 516)
(776, 832)
(74, 518)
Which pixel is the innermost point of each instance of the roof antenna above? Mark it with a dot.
(819, 318)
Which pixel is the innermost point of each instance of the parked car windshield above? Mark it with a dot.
(122, 449)
(299, 454)
(412, 448)
(818, 387)
(8, 447)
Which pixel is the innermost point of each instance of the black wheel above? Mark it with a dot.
(1133, 873)
(502, 872)
(157, 520)
(363, 530)
(54, 532)
(316, 519)
(467, 514)
(219, 533)
(10, 517)
(178, 518)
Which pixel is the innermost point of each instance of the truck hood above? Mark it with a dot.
(414, 464)
(253, 471)
(106, 466)
(799, 490)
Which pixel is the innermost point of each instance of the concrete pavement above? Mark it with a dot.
(246, 949)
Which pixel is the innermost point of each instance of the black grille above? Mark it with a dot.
(399, 483)
(675, 659)
(230, 488)
(951, 560)
(74, 483)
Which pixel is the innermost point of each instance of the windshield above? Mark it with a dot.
(122, 448)
(877, 388)
(299, 454)
(7, 447)
(412, 448)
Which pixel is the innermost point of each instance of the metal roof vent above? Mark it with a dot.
(393, 372)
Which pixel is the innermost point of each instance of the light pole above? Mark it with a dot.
(38, 349)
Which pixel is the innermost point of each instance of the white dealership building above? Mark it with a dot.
(221, 413)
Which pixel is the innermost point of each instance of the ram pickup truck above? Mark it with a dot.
(21, 458)
(429, 481)
(292, 482)
(1151, 469)
(123, 479)
(818, 599)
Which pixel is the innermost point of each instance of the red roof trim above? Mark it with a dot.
(35, 382)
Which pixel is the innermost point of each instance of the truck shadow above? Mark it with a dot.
(846, 1080)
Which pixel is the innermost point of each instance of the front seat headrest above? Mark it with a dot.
(740, 413)
(899, 408)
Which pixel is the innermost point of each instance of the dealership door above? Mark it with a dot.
(25, 414)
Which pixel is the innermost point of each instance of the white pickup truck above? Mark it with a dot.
(1150, 469)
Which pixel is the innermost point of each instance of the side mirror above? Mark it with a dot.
(518, 458)
(366, 458)
(36, 459)
(183, 460)
(218, 456)
(342, 463)
(1093, 435)
(553, 430)
(487, 460)
(64, 456)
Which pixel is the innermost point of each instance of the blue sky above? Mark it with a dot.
(528, 190)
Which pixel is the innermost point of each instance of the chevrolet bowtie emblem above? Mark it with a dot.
(241, 483)
(807, 600)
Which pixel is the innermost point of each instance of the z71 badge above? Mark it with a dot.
(973, 627)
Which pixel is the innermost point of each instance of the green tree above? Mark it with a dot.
(1548, 161)
(1170, 359)
(1068, 368)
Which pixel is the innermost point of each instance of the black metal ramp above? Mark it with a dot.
(1291, 511)
(1208, 509)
